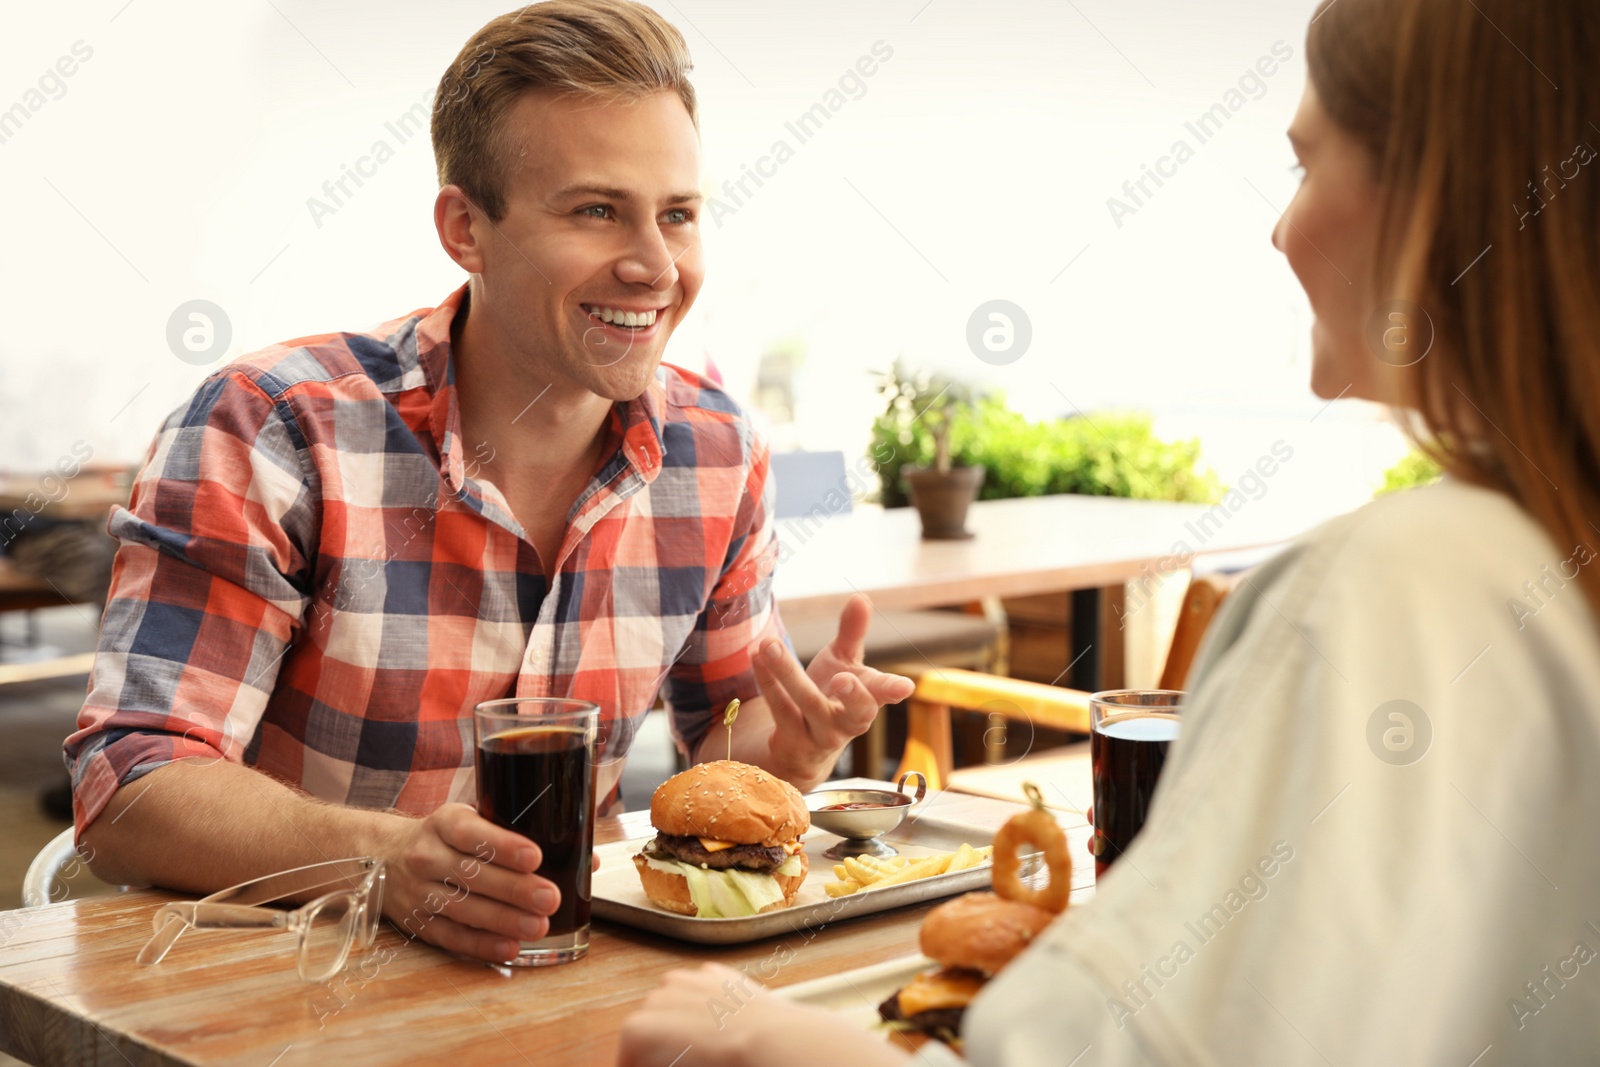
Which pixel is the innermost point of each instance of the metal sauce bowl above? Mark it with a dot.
(860, 827)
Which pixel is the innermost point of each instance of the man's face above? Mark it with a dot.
(602, 221)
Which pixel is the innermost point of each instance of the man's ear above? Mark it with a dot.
(453, 217)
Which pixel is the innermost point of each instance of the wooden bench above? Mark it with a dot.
(23, 592)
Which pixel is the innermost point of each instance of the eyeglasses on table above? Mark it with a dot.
(347, 901)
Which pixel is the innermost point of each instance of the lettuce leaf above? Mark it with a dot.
(730, 894)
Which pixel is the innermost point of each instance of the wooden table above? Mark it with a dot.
(1028, 545)
(1063, 775)
(71, 993)
(1047, 544)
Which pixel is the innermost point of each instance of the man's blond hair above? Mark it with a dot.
(614, 50)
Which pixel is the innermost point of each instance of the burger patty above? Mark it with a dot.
(690, 850)
(929, 1022)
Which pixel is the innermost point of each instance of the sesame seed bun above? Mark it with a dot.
(730, 801)
(981, 932)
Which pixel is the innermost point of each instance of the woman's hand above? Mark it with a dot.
(717, 1017)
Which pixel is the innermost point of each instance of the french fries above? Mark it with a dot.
(868, 872)
(965, 856)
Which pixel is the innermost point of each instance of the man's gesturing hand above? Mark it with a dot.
(457, 880)
(816, 712)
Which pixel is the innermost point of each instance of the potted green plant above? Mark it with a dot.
(1416, 469)
(940, 489)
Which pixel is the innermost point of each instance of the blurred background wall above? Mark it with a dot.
(185, 156)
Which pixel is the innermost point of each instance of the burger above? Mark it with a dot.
(972, 938)
(727, 842)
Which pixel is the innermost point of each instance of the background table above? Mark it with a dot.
(1047, 544)
(71, 993)
(1028, 545)
(88, 496)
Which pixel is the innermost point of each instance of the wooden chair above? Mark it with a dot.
(25, 593)
(942, 690)
(1200, 603)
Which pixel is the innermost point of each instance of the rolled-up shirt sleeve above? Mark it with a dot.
(714, 666)
(208, 591)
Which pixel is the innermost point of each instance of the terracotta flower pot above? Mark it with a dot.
(942, 499)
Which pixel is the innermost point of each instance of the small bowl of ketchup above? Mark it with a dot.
(860, 816)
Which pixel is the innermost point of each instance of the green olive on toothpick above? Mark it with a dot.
(728, 715)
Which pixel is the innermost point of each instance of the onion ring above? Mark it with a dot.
(1038, 828)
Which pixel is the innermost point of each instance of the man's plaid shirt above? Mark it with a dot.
(313, 582)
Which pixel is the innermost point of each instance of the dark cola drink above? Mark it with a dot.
(1128, 753)
(540, 782)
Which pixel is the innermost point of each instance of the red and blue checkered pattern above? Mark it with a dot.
(312, 582)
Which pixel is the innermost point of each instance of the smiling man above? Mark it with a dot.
(342, 543)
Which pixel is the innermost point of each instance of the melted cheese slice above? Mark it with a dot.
(711, 844)
(939, 990)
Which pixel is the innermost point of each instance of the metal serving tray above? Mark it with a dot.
(941, 823)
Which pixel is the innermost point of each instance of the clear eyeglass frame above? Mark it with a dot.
(329, 925)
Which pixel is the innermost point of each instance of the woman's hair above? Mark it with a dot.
(1480, 120)
(613, 50)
